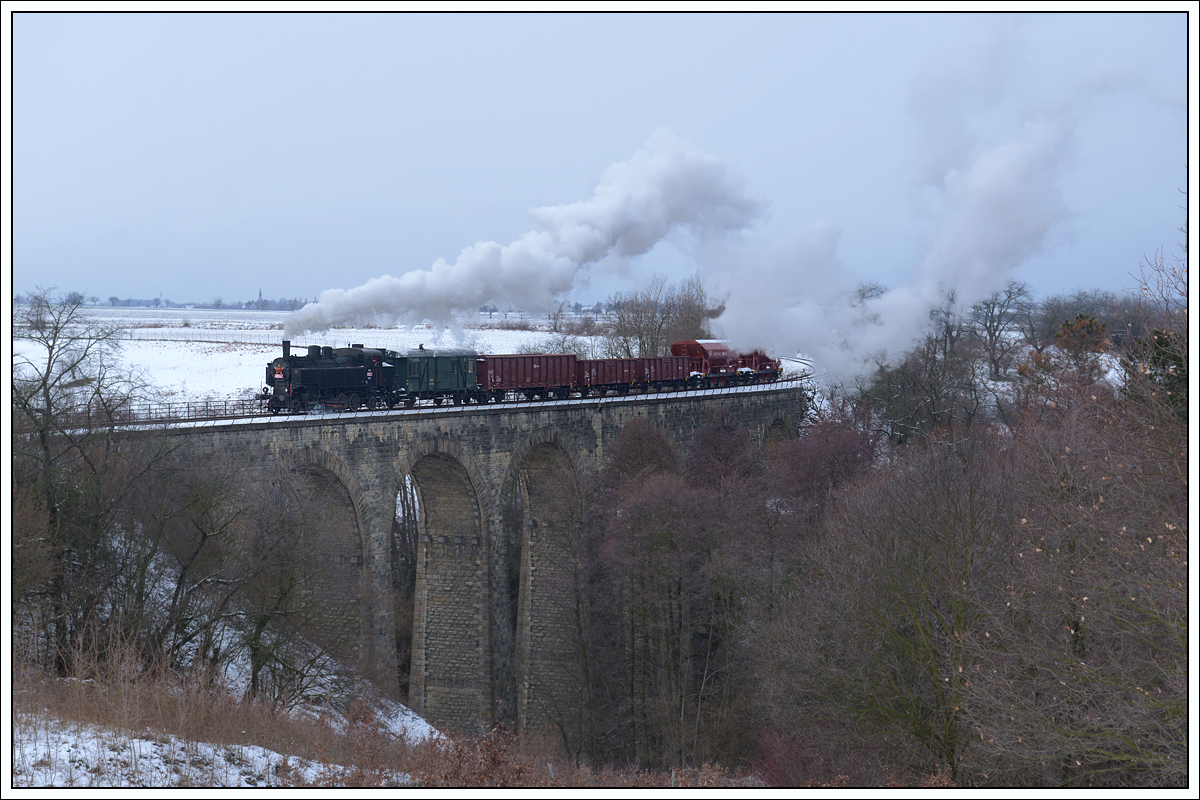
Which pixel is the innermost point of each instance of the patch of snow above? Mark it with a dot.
(63, 754)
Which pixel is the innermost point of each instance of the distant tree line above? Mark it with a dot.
(260, 304)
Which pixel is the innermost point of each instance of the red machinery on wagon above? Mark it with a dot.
(713, 363)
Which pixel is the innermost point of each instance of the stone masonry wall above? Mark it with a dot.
(465, 460)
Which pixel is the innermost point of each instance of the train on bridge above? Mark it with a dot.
(355, 377)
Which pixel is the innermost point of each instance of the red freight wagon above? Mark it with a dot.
(668, 371)
(602, 374)
(622, 374)
(537, 375)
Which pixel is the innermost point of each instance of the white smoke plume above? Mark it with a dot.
(668, 185)
(1000, 203)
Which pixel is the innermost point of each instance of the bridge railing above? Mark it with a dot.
(191, 410)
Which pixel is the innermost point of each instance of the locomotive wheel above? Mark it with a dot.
(295, 407)
(355, 403)
(274, 405)
(343, 401)
(372, 402)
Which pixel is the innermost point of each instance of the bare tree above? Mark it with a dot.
(933, 386)
(68, 384)
(405, 527)
(644, 324)
(289, 631)
(1079, 677)
(874, 645)
(996, 324)
(68, 391)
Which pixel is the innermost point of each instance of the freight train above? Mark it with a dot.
(355, 377)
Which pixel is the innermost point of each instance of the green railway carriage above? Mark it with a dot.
(437, 375)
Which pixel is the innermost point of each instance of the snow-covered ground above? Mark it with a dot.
(56, 753)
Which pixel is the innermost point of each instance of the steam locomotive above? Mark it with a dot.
(354, 377)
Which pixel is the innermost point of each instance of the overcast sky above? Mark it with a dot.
(205, 156)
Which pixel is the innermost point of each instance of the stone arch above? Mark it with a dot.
(450, 676)
(777, 432)
(308, 457)
(333, 511)
(544, 555)
(656, 429)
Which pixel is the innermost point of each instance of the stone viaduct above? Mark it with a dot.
(484, 476)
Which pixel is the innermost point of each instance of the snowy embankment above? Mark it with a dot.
(57, 753)
(54, 752)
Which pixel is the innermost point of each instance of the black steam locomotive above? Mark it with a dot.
(355, 377)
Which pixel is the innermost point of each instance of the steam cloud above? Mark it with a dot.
(667, 186)
(1001, 202)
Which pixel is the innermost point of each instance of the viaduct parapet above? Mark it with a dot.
(484, 476)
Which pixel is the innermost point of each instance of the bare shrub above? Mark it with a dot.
(518, 324)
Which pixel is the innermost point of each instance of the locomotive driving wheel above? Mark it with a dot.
(355, 403)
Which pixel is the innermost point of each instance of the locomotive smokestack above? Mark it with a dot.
(287, 348)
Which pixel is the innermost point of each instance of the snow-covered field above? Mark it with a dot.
(196, 355)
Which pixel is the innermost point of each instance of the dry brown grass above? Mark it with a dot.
(499, 759)
(117, 693)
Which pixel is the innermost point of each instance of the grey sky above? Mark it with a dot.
(204, 156)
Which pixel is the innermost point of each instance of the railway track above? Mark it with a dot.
(230, 410)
